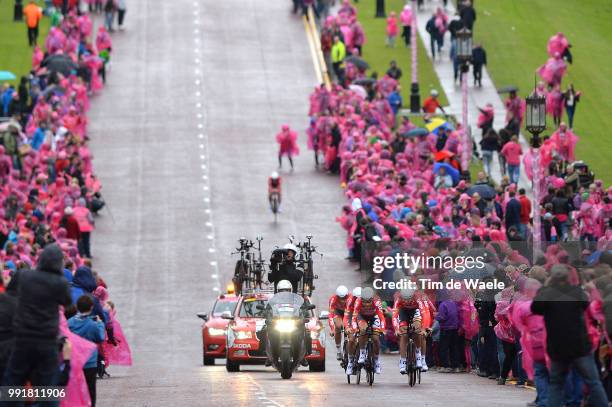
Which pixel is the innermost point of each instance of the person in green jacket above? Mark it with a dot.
(338, 53)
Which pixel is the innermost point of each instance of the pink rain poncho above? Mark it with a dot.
(564, 142)
(553, 70)
(37, 57)
(120, 354)
(406, 16)
(554, 102)
(77, 393)
(530, 326)
(504, 329)
(392, 25)
(557, 44)
(287, 142)
(103, 40)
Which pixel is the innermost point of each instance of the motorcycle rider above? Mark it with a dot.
(284, 288)
(286, 269)
(406, 313)
(348, 328)
(368, 311)
(337, 305)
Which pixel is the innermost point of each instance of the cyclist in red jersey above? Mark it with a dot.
(368, 310)
(337, 305)
(348, 328)
(427, 310)
(406, 313)
(274, 187)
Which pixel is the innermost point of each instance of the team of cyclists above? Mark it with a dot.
(352, 313)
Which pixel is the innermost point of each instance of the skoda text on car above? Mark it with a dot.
(245, 339)
(214, 329)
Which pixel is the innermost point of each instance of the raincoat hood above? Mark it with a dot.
(51, 260)
(83, 277)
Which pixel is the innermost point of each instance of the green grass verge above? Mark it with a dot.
(15, 54)
(379, 55)
(516, 32)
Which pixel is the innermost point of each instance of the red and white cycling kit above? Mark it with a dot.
(337, 307)
(405, 312)
(348, 311)
(371, 312)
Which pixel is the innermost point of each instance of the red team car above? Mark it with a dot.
(214, 329)
(244, 335)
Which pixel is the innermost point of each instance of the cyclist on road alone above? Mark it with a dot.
(368, 311)
(274, 188)
(406, 313)
(349, 332)
(337, 305)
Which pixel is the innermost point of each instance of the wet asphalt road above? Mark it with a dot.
(183, 139)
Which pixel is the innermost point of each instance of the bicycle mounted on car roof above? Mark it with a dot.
(297, 267)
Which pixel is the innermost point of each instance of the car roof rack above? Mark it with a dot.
(255, 291)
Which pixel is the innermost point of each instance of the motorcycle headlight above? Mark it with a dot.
(216, 332)
(314, 334)
(243, 334)
(285, 325)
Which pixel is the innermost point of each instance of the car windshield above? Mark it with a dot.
(222, 306)
(249, 308)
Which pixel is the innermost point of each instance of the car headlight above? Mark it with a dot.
(243, 334)
(216, 332)
(285, 325)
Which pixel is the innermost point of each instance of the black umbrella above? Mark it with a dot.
(364, 81)
(59, 63)
(360, 63)
(508, 89)
(419, 131)
(485, 191)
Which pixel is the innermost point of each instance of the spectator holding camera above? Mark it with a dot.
(89, 327)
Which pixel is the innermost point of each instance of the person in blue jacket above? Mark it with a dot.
(84, 282)
(88, 326)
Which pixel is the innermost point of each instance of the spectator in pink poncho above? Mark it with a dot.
(512, 153)
(533, 338)
(564, 142)
(558, 44)
(553, 70)
(287, 143)
(406, 21)
(554, 104)
(392, 29)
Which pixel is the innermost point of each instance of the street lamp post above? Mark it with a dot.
(464, 55)
(415, 98)
(535, 120)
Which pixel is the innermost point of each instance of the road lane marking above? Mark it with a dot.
(311, 46)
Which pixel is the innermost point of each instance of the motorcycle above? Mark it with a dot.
(286, 316)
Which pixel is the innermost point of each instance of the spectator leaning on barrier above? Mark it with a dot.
(36, 323)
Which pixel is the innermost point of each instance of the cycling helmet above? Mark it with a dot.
(367, 294)
(434, 93)
(407, 294)
(341, 291)
(284, 285)
(274, 175)
(357, 292)
(291, 246)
